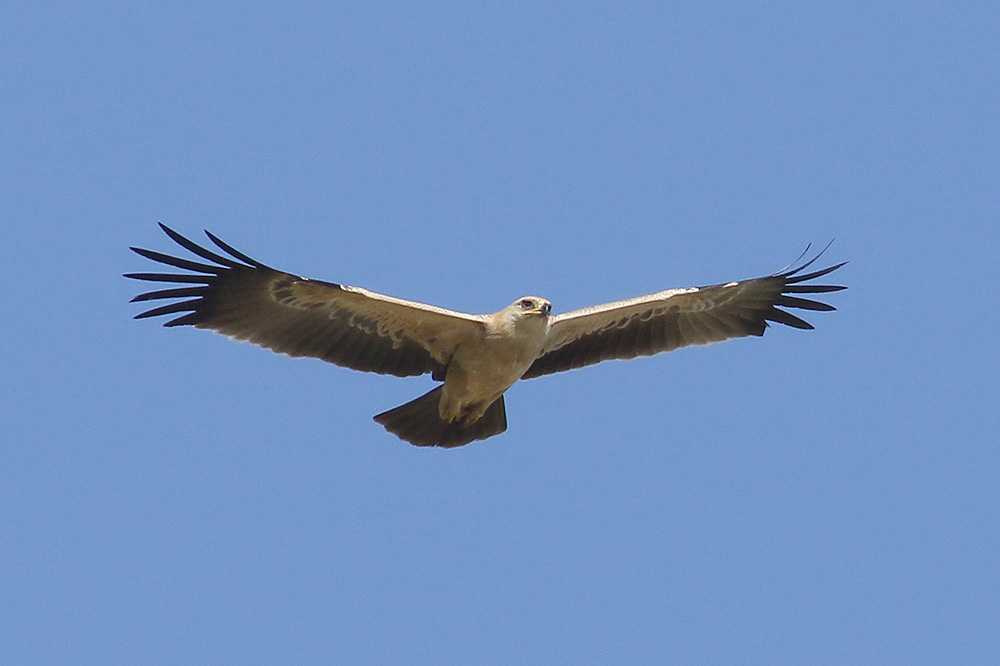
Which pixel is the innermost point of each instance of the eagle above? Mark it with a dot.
(476, 357)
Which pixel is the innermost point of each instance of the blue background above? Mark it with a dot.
(823, 497)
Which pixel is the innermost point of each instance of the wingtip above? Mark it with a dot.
(796, 267)
(226, 247)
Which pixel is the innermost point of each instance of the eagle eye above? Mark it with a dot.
(526, 304)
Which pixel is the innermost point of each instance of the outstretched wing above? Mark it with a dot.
(675, 318)
(246, 300)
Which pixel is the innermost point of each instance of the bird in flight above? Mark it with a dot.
(476, 357)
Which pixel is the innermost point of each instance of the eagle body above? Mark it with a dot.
(477, 357)
(482, 371)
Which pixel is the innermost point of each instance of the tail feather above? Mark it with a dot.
(419, 422)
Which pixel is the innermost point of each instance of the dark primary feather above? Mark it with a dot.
(242, 299)
(677, 318)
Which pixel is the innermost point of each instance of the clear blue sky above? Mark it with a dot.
(823, 497)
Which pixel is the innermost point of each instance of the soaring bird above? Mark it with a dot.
(476, 357)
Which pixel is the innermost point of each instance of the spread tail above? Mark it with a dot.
(419, 422)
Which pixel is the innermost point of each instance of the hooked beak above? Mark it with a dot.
(543, 309)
